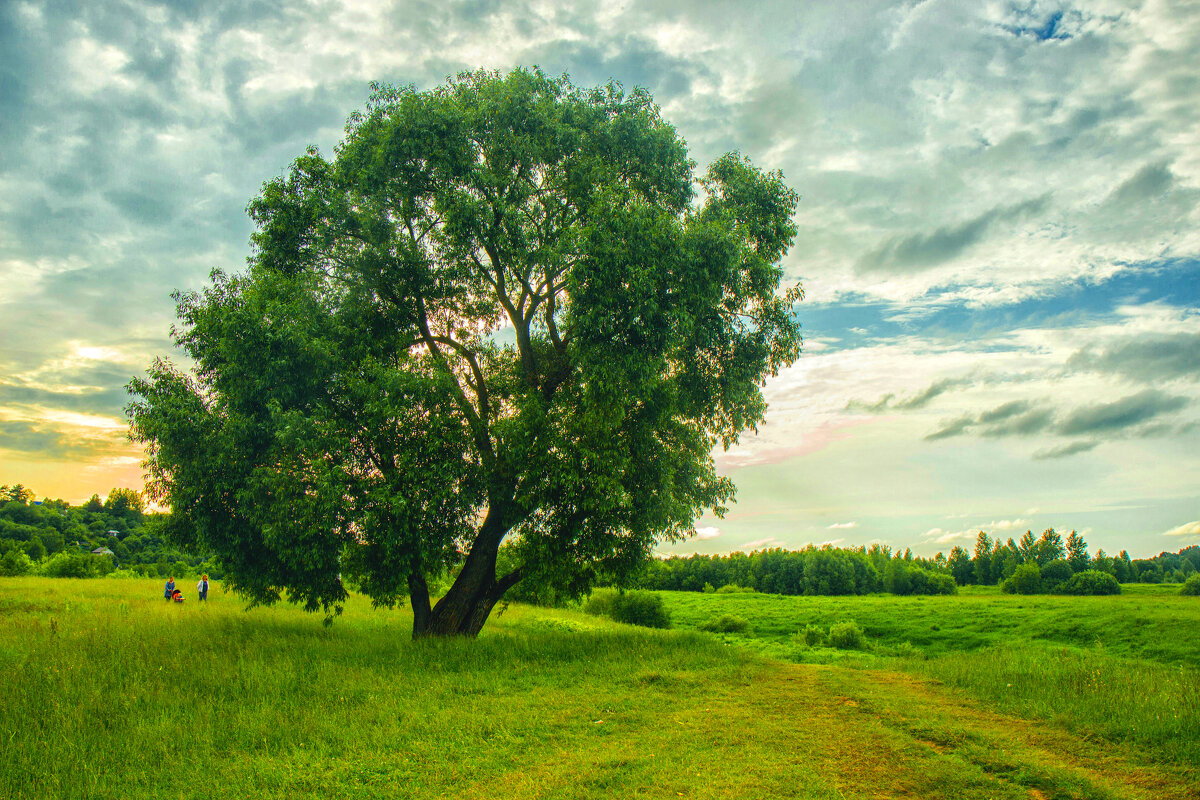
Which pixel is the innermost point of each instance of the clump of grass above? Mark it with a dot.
(813, 635)
(846, 636)
(600, 603)
(641, 608)
(726, 623)
(633, 608)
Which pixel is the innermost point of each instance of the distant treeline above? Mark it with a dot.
(994, 561)
(862, 570)
(57, 539)
(826, 570)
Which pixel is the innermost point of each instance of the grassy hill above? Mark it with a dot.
(113, 693)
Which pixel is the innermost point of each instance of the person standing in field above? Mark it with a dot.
(170, 588)
(202, 588)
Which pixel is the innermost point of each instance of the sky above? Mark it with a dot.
(998, 233)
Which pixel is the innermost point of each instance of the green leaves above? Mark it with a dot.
(494, 310)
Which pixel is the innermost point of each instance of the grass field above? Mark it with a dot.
(1124, 668)
(112, 693)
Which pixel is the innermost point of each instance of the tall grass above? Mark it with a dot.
(110, 692)
(1145, 622)
(1152, 706)
(1125, 668)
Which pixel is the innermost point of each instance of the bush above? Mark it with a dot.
(600, 604)
(846, 636)
(15, 562)
(1055, 573)
(813, 635)
(66, 565)
(1026, 580)
(733, 588)
(940, 583)
(726, 623)
(641, 608)
(1192, 585)
(1090, 581)
(633, 608)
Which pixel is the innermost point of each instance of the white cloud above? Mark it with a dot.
(757, 544)
(707, 533)
(837, 525)
(1188, 529)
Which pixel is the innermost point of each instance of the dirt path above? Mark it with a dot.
(900, 736)
(825, 732)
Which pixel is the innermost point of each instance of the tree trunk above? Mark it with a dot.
(418, 596)
(465, 608)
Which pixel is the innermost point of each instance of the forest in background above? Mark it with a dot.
(1027, 566)
(100, 537)
(118, 535)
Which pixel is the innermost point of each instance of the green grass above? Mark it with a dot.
(112, 693)
(1147, 622)
(1124, 668)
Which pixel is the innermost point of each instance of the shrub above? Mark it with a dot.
(66, 565)
(15, 562)
(600, 604)
(641, 608)
(1090, 581)
(1026, 580)
(846, 636)
(940, 583)
(633, 608)
(708, 588)
(1055, 573)
(813, 635)
(733, 588)
(726, 623)
(1192, 585)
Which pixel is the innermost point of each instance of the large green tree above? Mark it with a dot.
(501, 309)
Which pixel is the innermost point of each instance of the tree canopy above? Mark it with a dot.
(501, 309)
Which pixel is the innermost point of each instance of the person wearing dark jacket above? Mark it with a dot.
(170, 588)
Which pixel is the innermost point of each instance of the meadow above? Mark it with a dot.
(112, 693)
(1124, 668)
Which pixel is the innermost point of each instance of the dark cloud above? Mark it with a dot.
(935, 389)
(889, 403)
(1015, 418)
(41, 441)
(1149, 182)
(1064, 450)
(1027, 424)
(27, 437)
(1120, 414)
(108, 401)
(1003, 412)
(1146, 357)
(1124, 417)
(955, 427)
(921, 251)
